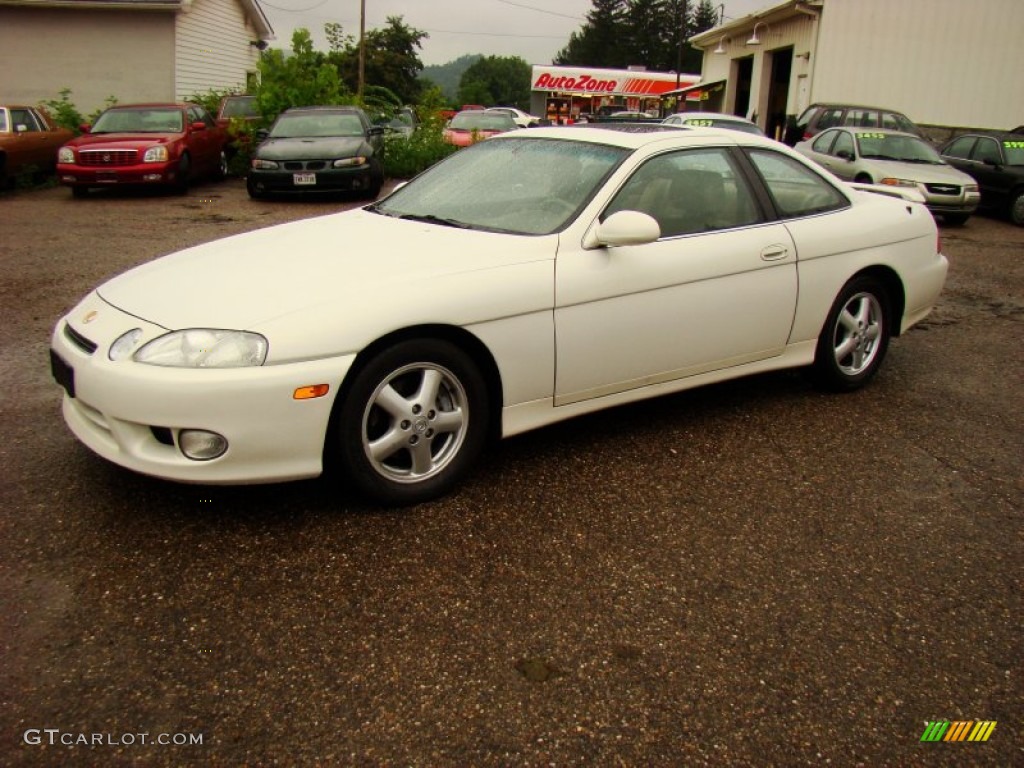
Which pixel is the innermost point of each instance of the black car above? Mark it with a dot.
(318, 149)
(996, 161)
(817, 117)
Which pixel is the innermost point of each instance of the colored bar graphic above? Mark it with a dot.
(958, 730)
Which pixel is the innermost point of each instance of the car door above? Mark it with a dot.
(30, 148)
(203, 142)
(718, 289)
(987, 167)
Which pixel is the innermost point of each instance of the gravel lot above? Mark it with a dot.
(748, 574)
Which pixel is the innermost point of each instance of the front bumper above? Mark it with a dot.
(132, 414)
(74, 175)
(353, 179)
(965, 202)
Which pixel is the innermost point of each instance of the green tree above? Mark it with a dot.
(497, 80)
(599, 43)
(302, 79)
(392, 58)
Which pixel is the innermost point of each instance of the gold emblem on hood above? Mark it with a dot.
(90, 316)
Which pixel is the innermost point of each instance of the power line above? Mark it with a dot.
(294, 10)
(540, 10)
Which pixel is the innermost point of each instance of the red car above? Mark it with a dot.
(470, 126)
(165, 145)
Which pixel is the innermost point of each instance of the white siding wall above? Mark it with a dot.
(942, 62)
(95, 53)
(213, 50)
(797, 32)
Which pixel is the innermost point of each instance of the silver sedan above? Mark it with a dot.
(894, 158)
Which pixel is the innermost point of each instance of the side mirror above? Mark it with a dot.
(845, 154)
(624, 228)
(376, 130)
(85, 128)
(991, 162)
(198, 125)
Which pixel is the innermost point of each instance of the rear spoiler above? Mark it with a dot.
(900, 193)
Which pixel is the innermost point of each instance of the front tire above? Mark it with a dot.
(413, 422)
(853, 343)
(1017, 208)
(184, 170)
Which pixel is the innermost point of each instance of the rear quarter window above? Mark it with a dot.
(795, 189)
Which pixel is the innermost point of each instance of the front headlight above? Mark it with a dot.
(349, 161)
(892, 182)
(65, 155)
(155, 155)
(970, 187)
(264, 165)
(205, 348)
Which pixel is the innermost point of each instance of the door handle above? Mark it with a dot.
(774, 252)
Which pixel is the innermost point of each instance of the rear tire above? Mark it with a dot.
(863, 178)
(79, 192)
(413, 422)
(854, 340)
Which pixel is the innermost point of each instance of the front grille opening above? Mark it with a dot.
(163, 435)
(79, 340)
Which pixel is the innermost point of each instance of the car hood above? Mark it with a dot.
(125, 139)
(310, 148)
(353, 262)
(926, 174)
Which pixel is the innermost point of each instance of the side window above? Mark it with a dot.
(960, 148)
(24, 117)
(861, 118)
(829, 118)
(823, 144)
(844, 142)
(691, 191)
(987, 149)
(795, 189)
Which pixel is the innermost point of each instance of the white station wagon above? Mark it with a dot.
(532, 277)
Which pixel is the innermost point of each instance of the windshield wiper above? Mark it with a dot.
(432, 219)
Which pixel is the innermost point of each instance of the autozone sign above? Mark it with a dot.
(608, 81)
(549, 82)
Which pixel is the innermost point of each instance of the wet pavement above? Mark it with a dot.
(747, 574)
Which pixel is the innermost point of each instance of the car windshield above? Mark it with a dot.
(316, 125)
(242, 106)
(1014, 152)
(892, 146)
(520, 186)
(148, 120)
(481, 121)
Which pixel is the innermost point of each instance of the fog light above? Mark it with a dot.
(200, 445)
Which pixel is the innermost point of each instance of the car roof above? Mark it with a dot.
(710, 116)
(867, 129)
(324, 108)
(638, 135)
(844, 105)
(1000, 135)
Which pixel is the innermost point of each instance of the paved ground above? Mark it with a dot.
(749, 574)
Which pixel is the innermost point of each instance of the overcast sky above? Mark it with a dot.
(533, 29)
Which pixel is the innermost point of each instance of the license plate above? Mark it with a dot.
(63, 373)
(106, 177)
(304, 178)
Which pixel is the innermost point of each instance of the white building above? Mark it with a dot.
(947, 63)
(133, 50)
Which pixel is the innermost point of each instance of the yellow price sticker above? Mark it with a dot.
(699, 123)
(1014, 144)
(870, 135)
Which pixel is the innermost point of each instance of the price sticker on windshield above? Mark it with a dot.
(700, 123)
(1014, 144)
(870, 135)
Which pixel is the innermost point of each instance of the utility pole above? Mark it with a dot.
(681, 33)
(362, 50)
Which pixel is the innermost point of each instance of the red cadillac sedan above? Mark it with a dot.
(166, 145)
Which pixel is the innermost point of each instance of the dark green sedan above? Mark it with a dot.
(319, 149)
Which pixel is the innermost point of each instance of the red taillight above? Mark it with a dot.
(807, 135)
